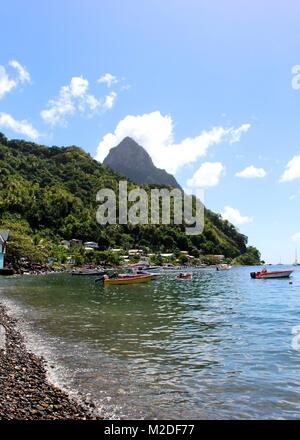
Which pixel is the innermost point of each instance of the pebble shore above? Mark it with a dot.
(25, 392)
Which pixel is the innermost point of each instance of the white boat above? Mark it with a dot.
(267, 274)
(152, 269)
(169, 266)
(296, 260)
(223, 267)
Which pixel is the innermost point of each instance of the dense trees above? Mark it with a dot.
(53, 192)
(251, 257)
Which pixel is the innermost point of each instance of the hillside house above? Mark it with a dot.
(3, 239)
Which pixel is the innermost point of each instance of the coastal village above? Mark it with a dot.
(89, 249)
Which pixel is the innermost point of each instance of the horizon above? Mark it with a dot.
(219, 113)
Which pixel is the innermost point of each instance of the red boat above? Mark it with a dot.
(184, 275)
(266, 274)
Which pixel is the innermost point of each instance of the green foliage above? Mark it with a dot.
(104, 257)
(251, 257)
(183, 259)
(210, 260)
(21, 243)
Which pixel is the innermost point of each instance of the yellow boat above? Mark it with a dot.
(125, 279)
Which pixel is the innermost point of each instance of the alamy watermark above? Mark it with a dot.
(296, 77)
(296, 339)
(157, 206)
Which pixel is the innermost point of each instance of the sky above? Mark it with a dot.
(211, 89)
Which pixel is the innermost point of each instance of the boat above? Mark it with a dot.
(296, 260)
(223, 267)
(152, 274)
(89, 272)
(126, 279)
(152, 269)
(169, 266)
(184, 275)
(268, 274)
(7, 271)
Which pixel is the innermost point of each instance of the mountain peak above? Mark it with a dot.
(132, 160)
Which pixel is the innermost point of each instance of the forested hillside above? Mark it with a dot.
(49, 194)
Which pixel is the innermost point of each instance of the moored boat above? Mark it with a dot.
(6, 271)
(127, 279)
(267, 274)
(296, 260)
(152, 269)
(223, 267)
(184, 275)
(88, 272)
(152, 274)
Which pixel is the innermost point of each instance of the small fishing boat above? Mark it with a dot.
(6, 271)
(223, 267)
(90, 272)
(152, 269)
(126, 279)
(184, 275)
(152, 274)
(296, 260)
(267, 274)
(169, 266)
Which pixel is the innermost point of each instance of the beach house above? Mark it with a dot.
(3, 239)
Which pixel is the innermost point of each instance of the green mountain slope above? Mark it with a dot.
(50, 194)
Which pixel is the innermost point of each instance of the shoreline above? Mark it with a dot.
(25, 390)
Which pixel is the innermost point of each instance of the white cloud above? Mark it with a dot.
(79, 87)
(109, 101)
(57, 109)
(296, 238)
(234, 216)
(24, 75)
(8, 83)
(236, 133)
(251, 172)
(154, 132)
(108, 79)
(292, 170)
(207, 175)
(22, 127)
(73, 97)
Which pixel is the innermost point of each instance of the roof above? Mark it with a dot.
(4, 234)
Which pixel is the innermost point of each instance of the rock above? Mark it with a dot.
(25, 392)
(133, 161)
(2, 338)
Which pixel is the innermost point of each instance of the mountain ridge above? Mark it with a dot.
(133, 161)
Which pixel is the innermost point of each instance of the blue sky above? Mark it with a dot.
(205, 85)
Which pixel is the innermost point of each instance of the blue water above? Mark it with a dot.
(219, 346)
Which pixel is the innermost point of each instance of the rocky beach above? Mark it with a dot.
(25, 392)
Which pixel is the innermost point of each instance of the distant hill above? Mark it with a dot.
(132, 161)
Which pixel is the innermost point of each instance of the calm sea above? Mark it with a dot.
(218, 346)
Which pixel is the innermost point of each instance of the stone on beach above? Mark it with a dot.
(25, 392)
(2, 338)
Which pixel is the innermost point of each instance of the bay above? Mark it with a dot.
(217, 346)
